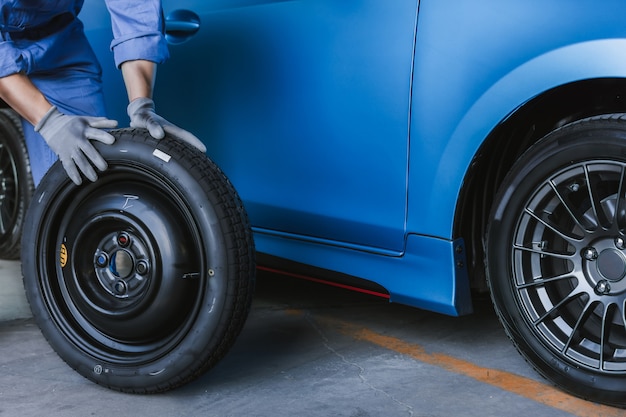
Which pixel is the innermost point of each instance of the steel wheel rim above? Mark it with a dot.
(9, 194)
(569, 264)
(84, 295)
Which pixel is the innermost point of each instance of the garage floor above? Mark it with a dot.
(306, 350)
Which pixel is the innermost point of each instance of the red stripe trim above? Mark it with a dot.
(322, 281)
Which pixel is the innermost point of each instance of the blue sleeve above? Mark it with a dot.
(137, 30)
(11, 59)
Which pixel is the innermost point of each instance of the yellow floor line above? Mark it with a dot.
(524, 387)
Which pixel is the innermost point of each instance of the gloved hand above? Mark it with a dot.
(69, 137)
(142, 115)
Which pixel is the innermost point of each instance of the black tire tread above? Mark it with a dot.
(10, 245)
(243, 252)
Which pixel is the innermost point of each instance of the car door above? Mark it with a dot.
(305, 106)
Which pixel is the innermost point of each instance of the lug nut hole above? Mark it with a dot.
(123, 239)
(142, 267)
(102, 260)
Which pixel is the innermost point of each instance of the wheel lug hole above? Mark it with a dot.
(120, 287)
(123, 239)
(590, 254)
(102, 260)
(620, 243)
(603, 287)
(142, 267)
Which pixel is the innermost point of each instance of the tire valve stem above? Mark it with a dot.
(542, 246)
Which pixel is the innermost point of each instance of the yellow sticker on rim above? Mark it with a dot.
(63, 255)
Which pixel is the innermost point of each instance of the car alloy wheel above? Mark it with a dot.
(556, 256)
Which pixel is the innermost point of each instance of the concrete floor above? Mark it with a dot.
(13, 304)
(306, 350)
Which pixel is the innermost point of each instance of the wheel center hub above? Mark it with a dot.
(612, 264)
(122, 265)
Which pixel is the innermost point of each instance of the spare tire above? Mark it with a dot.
(142, 280)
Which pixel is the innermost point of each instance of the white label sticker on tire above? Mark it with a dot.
(161, 155)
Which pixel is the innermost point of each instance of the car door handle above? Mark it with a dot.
(181, 25)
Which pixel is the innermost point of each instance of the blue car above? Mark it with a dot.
(424, 151)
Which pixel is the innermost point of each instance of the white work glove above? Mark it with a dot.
(69, 137)
(142, 115)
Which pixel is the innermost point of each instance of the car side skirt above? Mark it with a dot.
(430, 274)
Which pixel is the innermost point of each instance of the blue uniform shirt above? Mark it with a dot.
(46, 40)
(137, 33)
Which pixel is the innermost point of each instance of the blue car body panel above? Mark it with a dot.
(348, 128)
(477, 62)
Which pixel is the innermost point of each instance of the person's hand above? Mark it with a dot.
(69, 137)
(142, 115)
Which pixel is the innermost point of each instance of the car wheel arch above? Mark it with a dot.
(511, 138)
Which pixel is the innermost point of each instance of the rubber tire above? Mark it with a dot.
(179, 325)
(16, 184)
(597, 138)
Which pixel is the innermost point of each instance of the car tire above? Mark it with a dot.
(142, 280)
(16, 184)
(556, 257)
